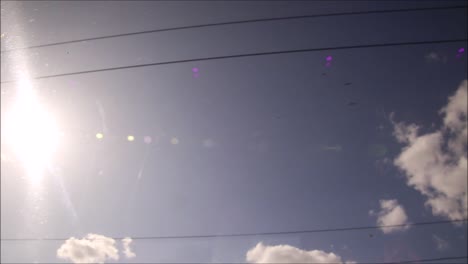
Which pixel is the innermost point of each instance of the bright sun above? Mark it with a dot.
(31, 132)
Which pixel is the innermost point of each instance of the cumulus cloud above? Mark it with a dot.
(126, 248)
(435, 164)
(440, 243)
(404, 133)
(91, 249)
(289, 254)
(391, 213)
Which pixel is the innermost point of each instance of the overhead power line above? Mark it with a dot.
(238, 22)
(341, 229)
(433, 259)
(246, 55)
(417, 1)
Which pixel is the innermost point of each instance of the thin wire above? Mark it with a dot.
(256, 234)
(236, 22)
(263, 0)
(246, 55)
(433, 259)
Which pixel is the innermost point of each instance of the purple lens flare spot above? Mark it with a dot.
(148, 140)
(194, 69)
(461, 50)
(329, 58)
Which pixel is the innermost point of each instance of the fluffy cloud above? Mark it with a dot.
(289, 254)
(404, 133)
(126, 248)
(91, 249)
(435, 164)
(391, 213)
(440, 243)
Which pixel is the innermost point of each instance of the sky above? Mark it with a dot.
(244, 145)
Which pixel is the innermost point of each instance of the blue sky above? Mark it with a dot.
(286, 150)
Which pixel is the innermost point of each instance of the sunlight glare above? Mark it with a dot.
(31, 132)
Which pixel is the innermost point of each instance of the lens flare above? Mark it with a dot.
(174, 141)
(31, 132)
(148, 140)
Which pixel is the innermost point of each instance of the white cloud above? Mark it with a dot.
(127, 250)
(404, 133)
(435, 164)
(391, 213)
(456, 110)
(91, 249)
(289, 254)
(440, 243)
